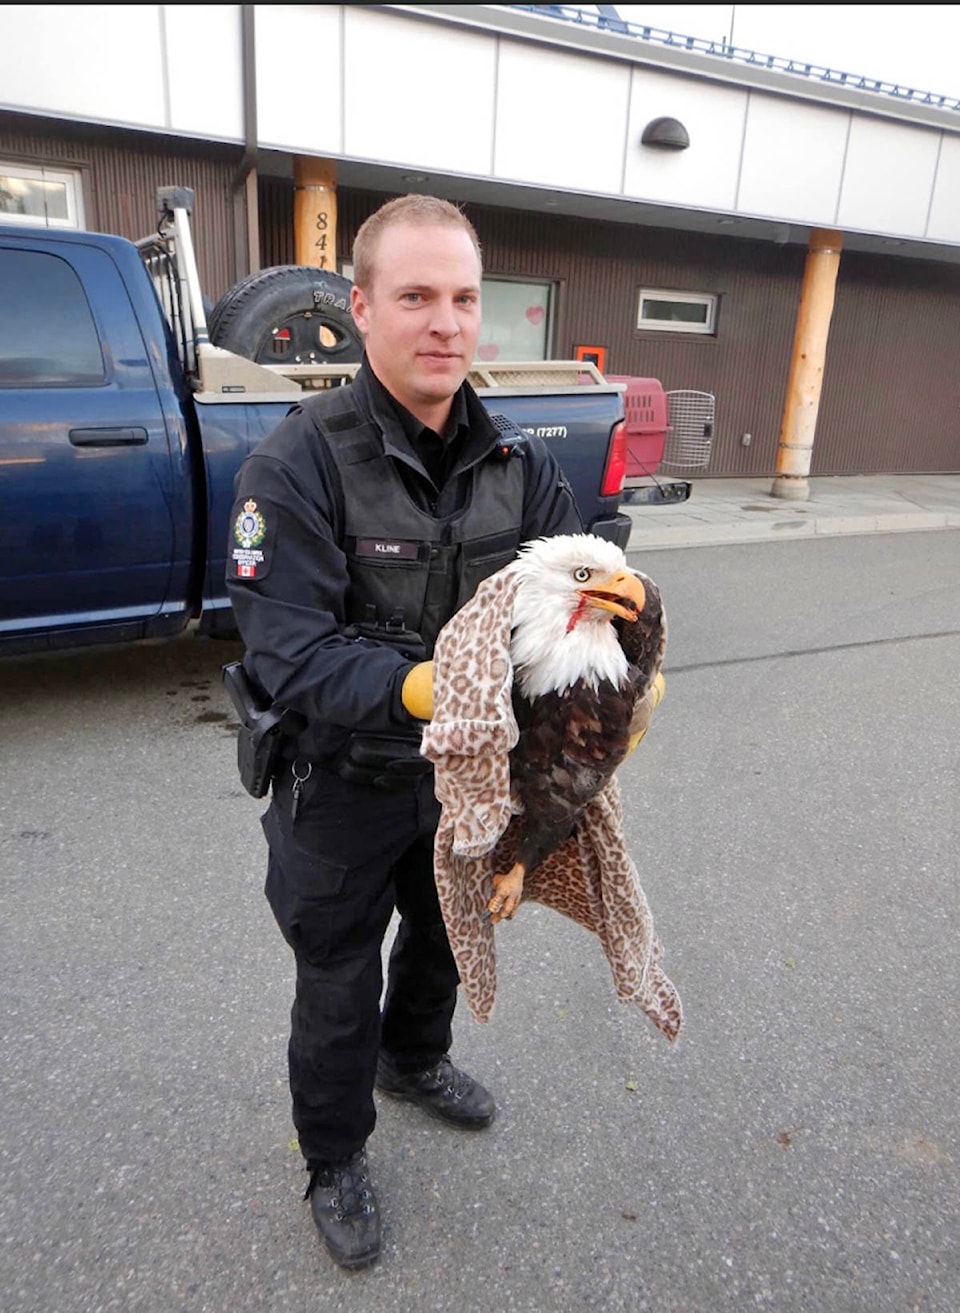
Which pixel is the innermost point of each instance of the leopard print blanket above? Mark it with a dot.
(589, 878)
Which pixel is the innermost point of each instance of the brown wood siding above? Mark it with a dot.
(891, 397)
(121, 173)
(275, 198)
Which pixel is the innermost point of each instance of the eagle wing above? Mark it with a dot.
(644, 640)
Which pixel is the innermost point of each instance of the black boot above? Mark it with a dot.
(345, 1210)
(441, 1090)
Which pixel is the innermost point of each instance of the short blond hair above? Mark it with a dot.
(417, 212)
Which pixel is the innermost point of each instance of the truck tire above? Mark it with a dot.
(291, 314)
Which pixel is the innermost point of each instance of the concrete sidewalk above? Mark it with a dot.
(724, 511)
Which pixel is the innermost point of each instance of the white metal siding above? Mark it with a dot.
(418, 95)
(888, 179)
(944, 222)
(704, 175)
(300, 78)
(560, 118)
(426, 93)
(792, 163)
(99, 62)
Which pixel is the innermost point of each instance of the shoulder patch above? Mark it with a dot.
(251, 545)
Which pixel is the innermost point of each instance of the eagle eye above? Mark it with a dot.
(582, 574)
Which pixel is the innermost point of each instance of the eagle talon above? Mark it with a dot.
(509, 890)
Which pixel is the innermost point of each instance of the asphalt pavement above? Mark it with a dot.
(793, 814)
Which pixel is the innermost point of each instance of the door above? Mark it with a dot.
(86, 527)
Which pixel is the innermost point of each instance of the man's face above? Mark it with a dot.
(420, 317)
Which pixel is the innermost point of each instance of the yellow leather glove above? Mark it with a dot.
(644, 712)
(417, 691)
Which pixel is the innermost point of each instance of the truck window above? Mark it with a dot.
(47, 334)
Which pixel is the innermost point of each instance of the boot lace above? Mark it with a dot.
(456, 1083)
(347, 1183)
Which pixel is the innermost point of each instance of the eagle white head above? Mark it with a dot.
(571, 588)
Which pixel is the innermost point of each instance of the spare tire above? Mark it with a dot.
(291, 314)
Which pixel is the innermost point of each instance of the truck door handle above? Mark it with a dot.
(108, 437)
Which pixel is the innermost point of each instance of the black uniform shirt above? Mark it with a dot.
(437, 452)
(290, 586)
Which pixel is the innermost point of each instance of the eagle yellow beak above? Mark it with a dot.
(622, 593)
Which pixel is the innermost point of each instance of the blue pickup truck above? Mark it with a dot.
(122, 426)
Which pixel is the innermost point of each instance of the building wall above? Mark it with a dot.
(891, 399)
(121, 173)
(891, 396)
(764, 146)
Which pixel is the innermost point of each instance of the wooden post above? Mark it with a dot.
(799, 424)
(315, 212)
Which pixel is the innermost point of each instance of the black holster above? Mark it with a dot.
(264, 725)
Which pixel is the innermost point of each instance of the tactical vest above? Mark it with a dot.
(410, 570)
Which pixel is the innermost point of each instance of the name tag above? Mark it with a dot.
(387, 548)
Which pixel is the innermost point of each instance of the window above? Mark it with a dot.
(47, 334)
(49, 197)
(517, 320)
(677, 312)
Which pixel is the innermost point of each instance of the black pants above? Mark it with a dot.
(333, 878)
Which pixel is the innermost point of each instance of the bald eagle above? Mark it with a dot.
(587, 640)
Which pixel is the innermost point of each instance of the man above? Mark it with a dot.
(378, 509)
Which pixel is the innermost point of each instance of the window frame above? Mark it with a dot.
(707, 329)
(71, 178)
(76, 299)
(553, 296)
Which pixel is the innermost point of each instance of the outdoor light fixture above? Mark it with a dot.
(666, 134)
